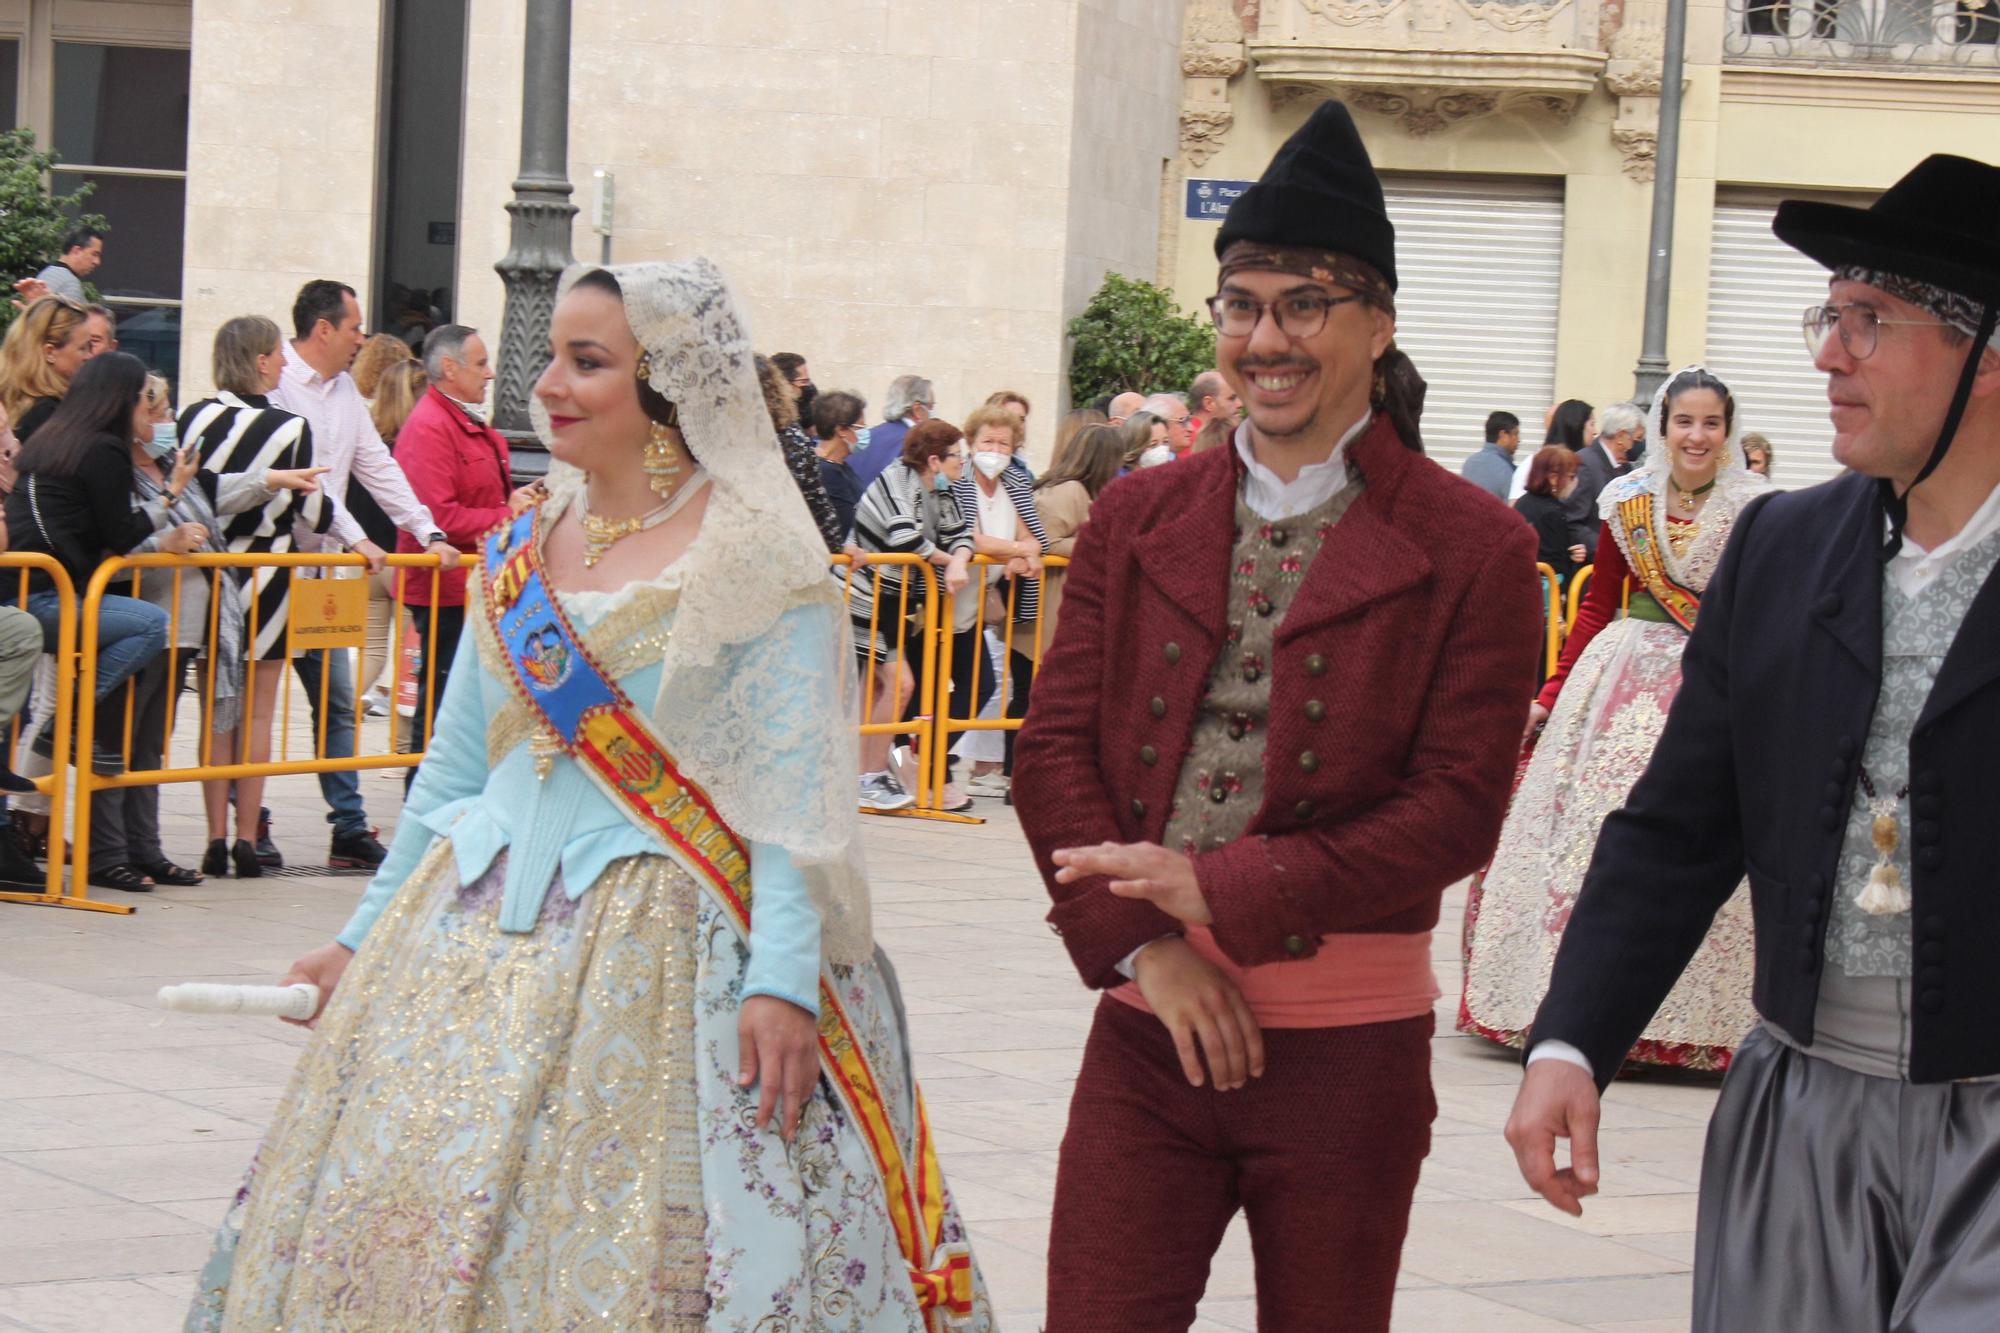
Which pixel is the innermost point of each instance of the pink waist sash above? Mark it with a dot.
(1353, 979)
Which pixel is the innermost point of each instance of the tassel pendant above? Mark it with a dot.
(1885, 894)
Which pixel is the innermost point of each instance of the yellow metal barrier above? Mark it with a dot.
(89, 782)
(1552, 625)
(1577, 583)
(918, 603)
(1009, 631)
(55, 786)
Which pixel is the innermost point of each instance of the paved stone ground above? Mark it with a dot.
(123, 1130)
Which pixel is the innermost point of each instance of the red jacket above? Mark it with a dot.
(461, 470)
(1399, 689)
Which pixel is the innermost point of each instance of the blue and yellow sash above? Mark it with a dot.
(596, 725)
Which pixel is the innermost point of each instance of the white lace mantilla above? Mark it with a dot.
(756, 696)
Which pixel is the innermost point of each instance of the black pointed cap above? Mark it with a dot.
(1321, 191)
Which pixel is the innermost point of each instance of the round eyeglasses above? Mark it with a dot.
(1300, 315)
(1860, 327)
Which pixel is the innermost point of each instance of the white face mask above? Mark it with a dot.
(990, 464)
(1156, 455)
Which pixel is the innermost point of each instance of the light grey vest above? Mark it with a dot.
(1863, 1017)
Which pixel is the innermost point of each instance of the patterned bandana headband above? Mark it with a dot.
(1305, 261)
(1961, 312)
(1398, 392)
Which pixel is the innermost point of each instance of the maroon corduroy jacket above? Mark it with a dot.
(1399, 687)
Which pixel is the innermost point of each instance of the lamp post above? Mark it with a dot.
(1652, 367)
(539, 246)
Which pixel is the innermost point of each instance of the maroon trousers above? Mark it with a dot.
(1321, 1153)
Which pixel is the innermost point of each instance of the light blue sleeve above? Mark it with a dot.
(784, 931)
(453, 769)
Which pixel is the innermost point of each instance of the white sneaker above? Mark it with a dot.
(880, 792)
(988, 784)
(954, 799)
(375, 703)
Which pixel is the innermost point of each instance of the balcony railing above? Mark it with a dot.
(1917, 34)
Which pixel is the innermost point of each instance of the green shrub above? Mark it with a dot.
(32, 220)
(1133, 338)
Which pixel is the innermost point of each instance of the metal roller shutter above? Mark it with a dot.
(1758, 287)
(1480, 269)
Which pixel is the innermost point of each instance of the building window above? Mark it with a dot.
(120, 123)
(10, 85)
(1949, 33)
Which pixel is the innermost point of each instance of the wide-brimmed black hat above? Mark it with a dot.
(1319, 191)
(1936, 226)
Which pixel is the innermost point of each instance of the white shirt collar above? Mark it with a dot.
(1915, 569)
(1270, 497)
(301, 370)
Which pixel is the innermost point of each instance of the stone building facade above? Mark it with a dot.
(1518, 141)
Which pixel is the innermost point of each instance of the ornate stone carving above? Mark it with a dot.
(1425, 111)
(1202, 129)
(1212, 54)
(1639, 148)
(1432, 64)
(1632, 75)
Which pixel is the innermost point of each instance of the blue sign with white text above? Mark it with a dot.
(1209, 200)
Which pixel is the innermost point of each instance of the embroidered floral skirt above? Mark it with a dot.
(1597, 743)
(543, 1131)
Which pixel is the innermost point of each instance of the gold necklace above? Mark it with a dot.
(1688, 497)
(1680, 536)
(601, 534)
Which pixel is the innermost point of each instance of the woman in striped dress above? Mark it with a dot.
(239, 431)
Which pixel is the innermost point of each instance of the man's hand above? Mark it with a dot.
(1140, 870)
(373, 554)
(31, 290)
(1198, 1004)
(779, 1042)
(1557, 1100)
(1577, 554)
(447, 554)
(323, 968)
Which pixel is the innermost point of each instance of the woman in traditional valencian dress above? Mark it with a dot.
(614, 1049)
(1664, 530)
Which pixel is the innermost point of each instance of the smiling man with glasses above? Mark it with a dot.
(1833, 739)
(1278, 721)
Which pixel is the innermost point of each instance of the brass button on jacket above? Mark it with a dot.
(1309, 762)
(1138, 808)
(1218, 793)
(1279, 536)
(1315, 665)
(1305, 810)
(1295, 945)
(1148, 755)
(1172, 652)
(1315, 711)
(1252, 673)
(1158, 706)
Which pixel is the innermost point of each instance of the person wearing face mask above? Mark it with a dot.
(125, 850)
(1665, 528)
(839, 425)
(1007, 529)
(793, 367)
(910, 510)
(1551, 478)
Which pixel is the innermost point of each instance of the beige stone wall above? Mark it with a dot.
(933, 186)
(281, 160)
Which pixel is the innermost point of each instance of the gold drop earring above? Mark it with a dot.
(662, 463)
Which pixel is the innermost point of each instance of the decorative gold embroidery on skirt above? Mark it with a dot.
(492, 1130)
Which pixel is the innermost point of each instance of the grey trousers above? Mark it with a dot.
(20, 649)
(1834, 1201)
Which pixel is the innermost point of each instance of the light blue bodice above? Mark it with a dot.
(562, 828)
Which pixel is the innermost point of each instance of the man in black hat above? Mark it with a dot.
(1278, 720)
(1834, 737)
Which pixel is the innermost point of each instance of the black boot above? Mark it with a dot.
(18, 873)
